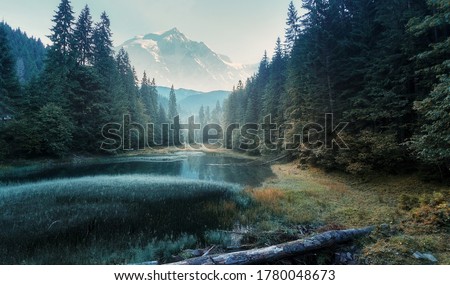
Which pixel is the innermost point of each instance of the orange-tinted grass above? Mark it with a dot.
(267, 196)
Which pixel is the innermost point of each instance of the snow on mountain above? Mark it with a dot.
(172, 58)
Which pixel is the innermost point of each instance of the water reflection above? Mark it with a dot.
(63, 222)
(210, 167)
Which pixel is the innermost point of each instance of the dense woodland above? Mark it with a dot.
(28, 53)
(383, 66)
(83, 86)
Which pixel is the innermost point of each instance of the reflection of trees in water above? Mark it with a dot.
(203, 167)
(228, 169)
(221, 168)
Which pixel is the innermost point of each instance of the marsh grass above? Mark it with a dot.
(137, 218)
(62, 221)
(14, 173)
(34, 171)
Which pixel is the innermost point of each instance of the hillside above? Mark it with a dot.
(172, 58)
(28, 52)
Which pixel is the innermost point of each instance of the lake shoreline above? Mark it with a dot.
(299, 202)
(416, 213)
(83, 157)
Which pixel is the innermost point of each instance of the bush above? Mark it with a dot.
(55, 130)
(431, 215)
(371, 151)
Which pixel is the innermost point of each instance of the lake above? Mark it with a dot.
(122, 210)
(192, 165)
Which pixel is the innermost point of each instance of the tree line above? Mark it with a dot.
(83, 86)
(28, 53)
(382, 66)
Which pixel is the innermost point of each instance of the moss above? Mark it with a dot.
(399, 249)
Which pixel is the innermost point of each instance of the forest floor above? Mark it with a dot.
(417, 213)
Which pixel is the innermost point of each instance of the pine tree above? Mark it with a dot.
(262, 81)
(9, 84)
(153, 109)
(173, 112)
(208, 115)
(114, 103)
(62, 34)
(432, 143)
(127, 80)
(149, 97)
(60, 59)
(86, 108)
(216, 116)
(144, 86)
(293, 28)
(202, 116)
(83, 37)
(162, 115)
(160, 137)
(274, 97)
(102, 45)
(28, 52)
(256, 90)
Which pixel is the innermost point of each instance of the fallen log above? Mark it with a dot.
(280, 251)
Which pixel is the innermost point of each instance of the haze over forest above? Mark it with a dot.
(342, 127)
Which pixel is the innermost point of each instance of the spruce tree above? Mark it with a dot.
(62, 34)
(102, 45)
(293, 27)
(173, 112)
(208, 115)
(105, 65)
(432, 142)
(9, 84)
(149, 97)
(202, 116)
(216, 116)
(127, 80)
(275, 94)
(83, 37)
(160, 137)
(60, 59)
(153, 108)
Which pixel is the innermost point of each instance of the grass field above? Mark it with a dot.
(66, 221)
(418, 213)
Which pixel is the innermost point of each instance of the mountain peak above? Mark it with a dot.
(174, 34)
(173, 31)
(170, 35)
(171, 58)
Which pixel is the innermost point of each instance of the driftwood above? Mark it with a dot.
(280, 251)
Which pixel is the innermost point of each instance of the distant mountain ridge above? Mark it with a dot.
(190, 101)
(172, 58)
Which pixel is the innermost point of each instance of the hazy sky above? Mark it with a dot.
(241, 29)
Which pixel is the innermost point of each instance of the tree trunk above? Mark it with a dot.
(280, 251)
